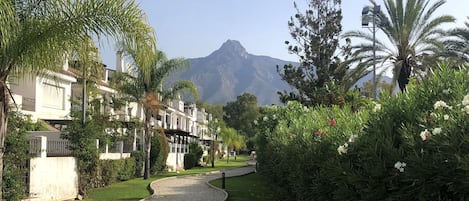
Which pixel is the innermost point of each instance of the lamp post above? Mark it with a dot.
(365, 22)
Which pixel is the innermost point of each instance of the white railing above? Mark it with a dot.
(58, 148)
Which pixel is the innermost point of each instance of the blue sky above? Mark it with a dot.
(187, 28)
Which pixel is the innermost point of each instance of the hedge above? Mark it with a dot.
(411, 146)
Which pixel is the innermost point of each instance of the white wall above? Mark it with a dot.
(53, 178)
(44, 106)
(171, 161)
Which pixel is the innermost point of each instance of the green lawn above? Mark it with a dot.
(249, 187)
(136, 189)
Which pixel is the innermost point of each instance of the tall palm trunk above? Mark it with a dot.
(147, 134)
(4, 109)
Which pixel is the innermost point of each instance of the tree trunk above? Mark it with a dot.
(147, 134)
(404, 75)
(228, 157)
(4, 109)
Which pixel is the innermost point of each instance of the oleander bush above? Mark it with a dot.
(412, 146)
(297, 147)
(416, 147)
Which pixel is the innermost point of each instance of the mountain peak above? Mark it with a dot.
(232, 47)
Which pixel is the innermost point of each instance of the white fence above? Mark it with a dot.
(56, 178)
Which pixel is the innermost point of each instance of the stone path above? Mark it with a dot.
(195, 187)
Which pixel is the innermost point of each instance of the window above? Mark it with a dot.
(53, 96)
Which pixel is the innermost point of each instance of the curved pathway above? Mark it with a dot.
(194, 187)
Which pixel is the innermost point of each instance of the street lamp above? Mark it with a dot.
(372, 12)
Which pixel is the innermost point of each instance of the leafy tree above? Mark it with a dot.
(240, 115)
(36, 34)
(213, 131)
(83, 136)
(232, 140)
(143, 84)
(413, 38)
(215, 110)
(321, 77)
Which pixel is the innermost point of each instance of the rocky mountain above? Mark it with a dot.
(231, 71)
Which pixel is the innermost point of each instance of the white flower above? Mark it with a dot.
(446, 91)
(439, 104)
(425, 134)
(274, 116)
(377, 107)
(352, 138)
(255, 122)
(446, 117)
(465, 100)
(400, 166)
(466, 109)
(436, 131)
(342, 149)
(265, 118)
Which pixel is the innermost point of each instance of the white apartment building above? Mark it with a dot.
(48, 98)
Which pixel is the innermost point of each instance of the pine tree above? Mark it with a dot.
(319, 79)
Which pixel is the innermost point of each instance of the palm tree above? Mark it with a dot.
(144, 84)
(36, 34)
(458, 45)
(413, 38)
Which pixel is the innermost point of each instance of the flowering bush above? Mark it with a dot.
(297, 145)
(413, 146)
(427, 128)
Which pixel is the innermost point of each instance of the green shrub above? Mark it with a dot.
(426, 128)
(112, 171)
(196, 149)
(16, 155)
(412, 146)
(108, 171)
(297, 145)
(159, 153)
(139, 157)
(189, 161)
(127, 171)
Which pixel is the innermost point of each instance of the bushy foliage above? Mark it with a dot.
(416, 147)
(139, 157)
(196, 149)
(17, 155)
(412, 146)
(83, 146)
(189, 161)
(159, 153)
(112, 171)
(298, 145)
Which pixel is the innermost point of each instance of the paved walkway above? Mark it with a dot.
(195, 187)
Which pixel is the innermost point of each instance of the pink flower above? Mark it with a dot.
(318, 132)
(333, 122)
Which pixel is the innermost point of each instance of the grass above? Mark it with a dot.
(248, 187)
(136, 189)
